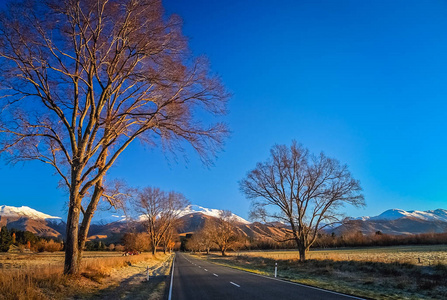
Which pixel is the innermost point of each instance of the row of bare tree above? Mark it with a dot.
(159, 211)
(220, 233)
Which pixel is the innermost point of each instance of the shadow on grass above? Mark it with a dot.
(136, 286)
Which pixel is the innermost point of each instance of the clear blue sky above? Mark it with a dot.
(363, 81)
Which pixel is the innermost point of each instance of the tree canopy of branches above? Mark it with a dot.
(160, 212)
(302, 190)
(222, 232)
(83, 79)
(136, 241)
(202, 240)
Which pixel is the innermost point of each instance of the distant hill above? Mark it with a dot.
(24, 211)
(393, 221)
(397, 222)
(28, 219)
(194, 209)
(394, 214)
(41, 224)
(194, 221)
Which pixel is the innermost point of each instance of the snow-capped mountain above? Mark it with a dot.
(24, 211)
(28, 219)
(394, 214)
(191, 209)
(397, 222)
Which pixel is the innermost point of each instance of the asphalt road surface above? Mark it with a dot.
(195, 279)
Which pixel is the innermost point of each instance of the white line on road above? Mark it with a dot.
(235, 284)
(206, 270)
(298, 284)
(200, 267)
(172, 279)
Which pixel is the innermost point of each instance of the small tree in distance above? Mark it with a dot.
(168, 239)
(205, 236)
(203, 240)
(159, 212)
(302, 190)
(222, 232)
(136, 241)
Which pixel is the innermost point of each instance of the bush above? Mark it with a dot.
(49, 246)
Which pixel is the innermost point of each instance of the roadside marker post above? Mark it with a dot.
(147, 273)
(276, 269)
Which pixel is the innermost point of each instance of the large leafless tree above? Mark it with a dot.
(301, 190)
(83, 79)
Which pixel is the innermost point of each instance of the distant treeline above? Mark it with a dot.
(358, 239)
(21, 241)
(24, 241)
(354, 239)
(132, 241)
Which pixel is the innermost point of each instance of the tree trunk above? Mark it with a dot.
(88, 215)
(223, 252)
(298, 237)
(71, 264)
(302, 251)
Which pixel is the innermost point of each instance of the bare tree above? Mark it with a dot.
(194, 244)
(82, 79)
(160, 213)
(203, 240)
(136, 241)
(302, 190)
(222, 232)
(205, 236)
(169, 238)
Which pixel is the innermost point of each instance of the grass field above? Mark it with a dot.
(39, 275)
(407, 272)
(418, 255)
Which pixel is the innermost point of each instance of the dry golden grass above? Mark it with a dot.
(39, 276)
(417, 255)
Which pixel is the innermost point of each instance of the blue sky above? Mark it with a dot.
(362, 81)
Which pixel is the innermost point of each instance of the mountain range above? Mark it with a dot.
(397, 222)
(24, 211)
(194, 209)
(26, 218)
(394, 214)
(29, 219)
(393, 221)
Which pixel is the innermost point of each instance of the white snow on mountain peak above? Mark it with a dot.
(394, 214)
(23, 211)
(190, 209)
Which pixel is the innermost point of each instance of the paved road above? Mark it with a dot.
(195, 279)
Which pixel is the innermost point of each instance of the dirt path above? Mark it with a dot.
(131, 283)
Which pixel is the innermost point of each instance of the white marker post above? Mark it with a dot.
(147, 273)
(276, 269)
